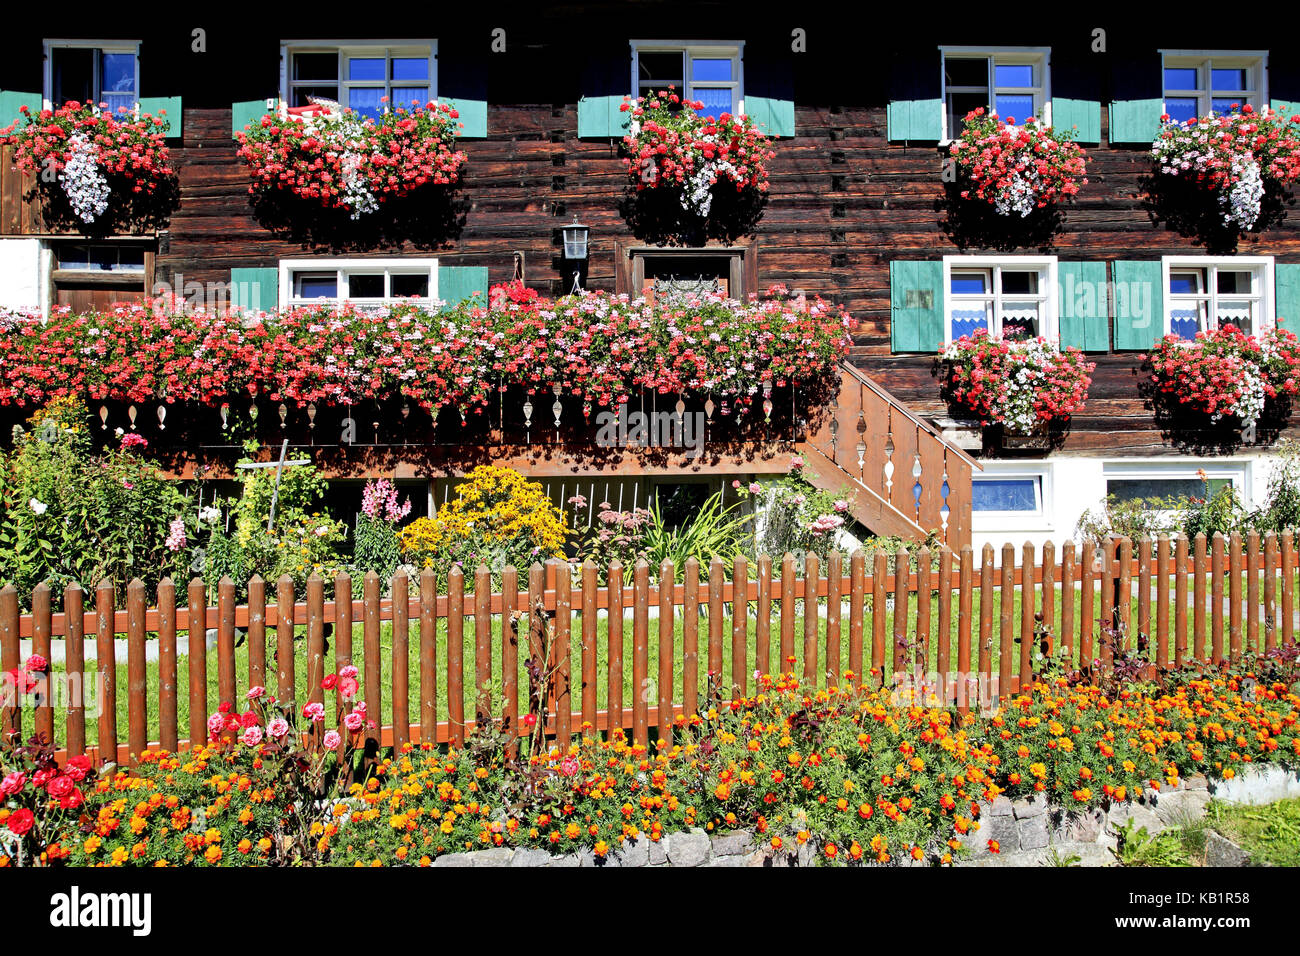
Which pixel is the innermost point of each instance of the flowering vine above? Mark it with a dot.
(1024, 385)
(1017, 169)
(1226, 373)
(346, 161)
(1233, 156)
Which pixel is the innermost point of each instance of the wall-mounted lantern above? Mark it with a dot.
(575, 240)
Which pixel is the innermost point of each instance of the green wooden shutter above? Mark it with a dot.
(462, 82)
(606, 80)
(168, 105)
(1138, 100)
(1139, 304)
(1286, 296)
(915, 111)
(12, 102)
(458, 283)
(255, 289)
(1081, 308)
(251, 111)
(769, 89)
(1084, 116)
(916, 305)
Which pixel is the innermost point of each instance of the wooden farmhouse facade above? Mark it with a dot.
(861, 211)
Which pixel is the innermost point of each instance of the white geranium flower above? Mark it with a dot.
(37, 506)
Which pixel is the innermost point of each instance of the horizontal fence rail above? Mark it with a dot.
(437, 656)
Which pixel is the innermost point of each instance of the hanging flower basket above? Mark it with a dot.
(693, 177)
(1026, 386)
(340, 160)
(93, 167)
(1234, 158)
(1017, 169)
(1225, 374)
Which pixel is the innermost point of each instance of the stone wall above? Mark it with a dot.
(1028, 832)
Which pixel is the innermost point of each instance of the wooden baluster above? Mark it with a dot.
(590, 679)
(342, 646)
(965, 604)
(1180, 599)
(1144, 589)
(1253, 607)
(1270, 592)
(1087, 603)
(879, 612)
(1199, 587)
(691, 635)
(510, 652)
(1234, 595)
(196, 650)
(1049, 599)
(1028, 609)
(429, 655)
(455, 655)
(1288, 586)
(107, 667)
(921, 653)
(1217, 571)
(834, 600)
(11, 717)
(902, 587)
(284, 649)
(984, 688)
(561, 653)
(763, 620)
(42, 621)
(1006, 620)
(1162, 601)
(256, 634)
(74, 649)
(787, 613)
(857, 607)
(226, 690)
(1068, 577)
(716, 572)
(316, 651)
(401, 592)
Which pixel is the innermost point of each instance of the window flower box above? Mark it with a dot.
(337, 159)
(95, 169)
(692, 177)
(1028, 386)
(1235, 158)
(1227, 375)
(1017, 169)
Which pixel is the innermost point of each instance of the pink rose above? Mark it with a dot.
(278, 727)
(354, 721)
(570, 766)
(348, 687)
(12, 784)
(37, 664)
(314, 711)
(252, 736)
(332, 740)
(348, 671)
(256, 693)
(216, 724)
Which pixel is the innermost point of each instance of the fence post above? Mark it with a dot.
(691, 634)
(167, 732)
(429, 656)
(285, 611)
(1217, 570)
(857, 607)
(1199, 587)
(589, 682)
(1087, 602)
(1162, 601)
(811, 579)
(1049, 599)
(787, 613)
(1252, 644)
(137, 714)
(10, 660)
(455, 652)
(482, 647)
(987, 568)
(1234, 595)
(614, 656)
(107, 668)
(902, 587)
(1006, 620)
(667, 576)
(834, 585)
(509, 652)
(74, 648)
(965, 604)
(196, 650)
(401, 590)
(1027, 610)
(921, 652)
(41, 622)
(1180, 599)
(1068, 603)
(256, 632)
(1270, 591)
(560, 648)
(739, 627)
(342, 644)
(226, 641)
(1288, 586)
(763, 622)
(715, 624)
(641, 652)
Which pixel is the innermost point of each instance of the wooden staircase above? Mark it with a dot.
(908, 480)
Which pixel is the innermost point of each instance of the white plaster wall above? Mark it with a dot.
(22, 276)
(1072, 485)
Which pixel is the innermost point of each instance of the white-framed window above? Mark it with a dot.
(359, 282)
(1012, 496)
(1012, 82)
(363, 75)
(1198, 82)
(1011, 296)
(1173, 483)
(711, 72)
(1205, 293)
(93, 71)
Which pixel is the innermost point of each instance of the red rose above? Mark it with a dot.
(21, 821)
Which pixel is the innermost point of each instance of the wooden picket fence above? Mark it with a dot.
(912, 613)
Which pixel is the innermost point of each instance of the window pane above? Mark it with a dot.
(967, 72)
(302, 94)
(1018, 107)
(715, 102)
(1233, 282)
(366, 100)
(1229, 80)
(128, 259)
(1019, 283)
(322, 286)
(315, 66)
(74, 75)
(406, 95)
(959, 105)
(1004, 494)
(711, 70)
(1187, 282)
(1013, 74)
(969, 283)
(414, 284)
(366, 286)
(367, 68)
(411, 68)
(117, 73)
(74, 256)
(1181, 109)
(966, 319)
(1175, 490)
(1186, 321)
(1228, 105)
(1019, 320)
(1181, 78)
(661, 68)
